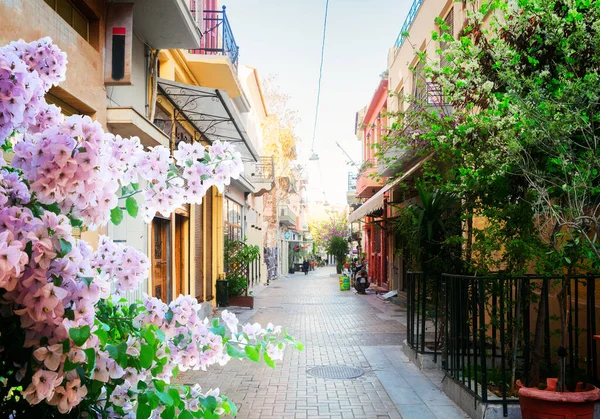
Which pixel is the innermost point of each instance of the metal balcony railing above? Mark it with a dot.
(412, 14)
(218, 37)
(263, 171)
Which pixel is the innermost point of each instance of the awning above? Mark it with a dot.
(211, 112)
(376, 201)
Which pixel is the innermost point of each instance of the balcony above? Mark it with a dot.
(410, 18)
(262, 171)
(398, 160)
(218, 37)
(166, 24)
(287, 217)
(368, 183)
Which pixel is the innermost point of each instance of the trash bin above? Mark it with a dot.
(344, 283)
(222, 293)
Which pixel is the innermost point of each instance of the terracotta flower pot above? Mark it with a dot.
(242, 301)
(543, 404)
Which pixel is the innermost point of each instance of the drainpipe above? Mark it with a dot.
(153, 69)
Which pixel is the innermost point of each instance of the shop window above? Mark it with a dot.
(232, 219)
(72, 16)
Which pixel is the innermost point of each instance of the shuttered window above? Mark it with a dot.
(72, 16)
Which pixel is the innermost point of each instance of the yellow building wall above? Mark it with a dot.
(173, 66)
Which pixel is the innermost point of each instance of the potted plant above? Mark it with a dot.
(238, 256)
(338, 247)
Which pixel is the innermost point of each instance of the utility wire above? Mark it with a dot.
(320, 75)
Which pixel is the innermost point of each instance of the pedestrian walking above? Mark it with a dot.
(305, 267)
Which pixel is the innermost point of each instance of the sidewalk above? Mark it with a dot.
(338, 328)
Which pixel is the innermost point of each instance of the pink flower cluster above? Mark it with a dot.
(197, 170)
(55, 285)
(196, 346)
(48, 294)
(66, 164)
(124, 265)
(27, 71)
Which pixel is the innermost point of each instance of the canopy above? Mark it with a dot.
(211, 112)
(376, 201)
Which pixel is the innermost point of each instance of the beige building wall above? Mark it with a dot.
(33, 19)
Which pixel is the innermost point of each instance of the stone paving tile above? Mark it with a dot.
(335, 328)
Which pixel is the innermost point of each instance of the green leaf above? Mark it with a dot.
(220, 330)
(118, 353)
(253, 354)
(90, 353)
(210, 403)
(87, 279)
(65, 246)
(148, 334)
(165, 397)
(116, 215)
(187, 415)
(132, 206)
(147, 353)
(169, 315)
(69, 366)
(268, 360)
(235, 352)
(79, 335)
(176, 397)
(143, 411)
(168, 413)
(215, 322)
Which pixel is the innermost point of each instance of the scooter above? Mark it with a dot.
(361, 279)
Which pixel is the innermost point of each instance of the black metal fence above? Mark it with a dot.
(423, 299)
(495, 333)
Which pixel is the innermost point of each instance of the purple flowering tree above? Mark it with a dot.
(70, 346)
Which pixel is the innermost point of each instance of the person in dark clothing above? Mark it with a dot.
(305, 267)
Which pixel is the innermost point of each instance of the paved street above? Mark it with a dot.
(337, 328)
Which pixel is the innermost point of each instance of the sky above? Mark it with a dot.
(283, 38)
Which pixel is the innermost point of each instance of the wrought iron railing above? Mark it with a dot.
(423, 308)
(490, 326)
(412, 14)
(218, 37)
(263, 170)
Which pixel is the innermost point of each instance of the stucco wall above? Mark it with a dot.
(136, 94)
(34, 19)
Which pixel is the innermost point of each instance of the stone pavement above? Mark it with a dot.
(337, 328)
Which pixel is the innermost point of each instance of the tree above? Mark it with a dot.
(518, 144)
(338, 247)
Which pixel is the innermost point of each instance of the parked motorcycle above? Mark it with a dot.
(360, 279)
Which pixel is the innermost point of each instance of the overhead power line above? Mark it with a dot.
(312, 148)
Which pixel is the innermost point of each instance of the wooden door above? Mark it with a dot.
(160, 259)
(180, 254)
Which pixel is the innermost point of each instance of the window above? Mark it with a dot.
(419, 82)
(232, 219)
(72, 16)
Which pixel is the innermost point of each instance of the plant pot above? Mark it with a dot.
(222, 292)
(242, 301)
(543, 404)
